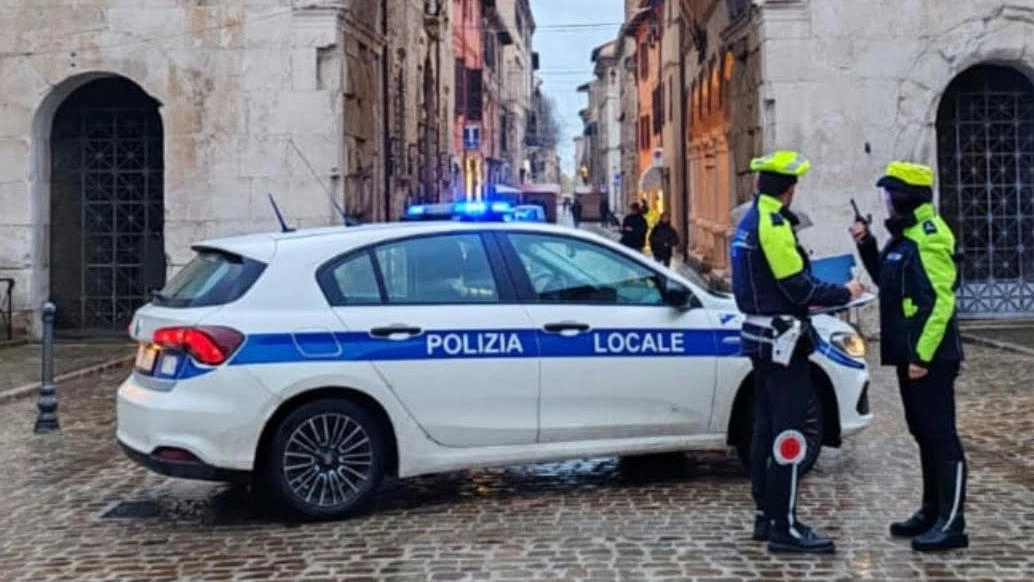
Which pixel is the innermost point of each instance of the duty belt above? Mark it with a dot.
(765, 332)
(780, 331)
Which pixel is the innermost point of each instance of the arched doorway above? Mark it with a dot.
(106, 205)
(985, 134)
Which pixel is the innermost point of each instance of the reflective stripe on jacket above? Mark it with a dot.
(771, 273)
(918, 277)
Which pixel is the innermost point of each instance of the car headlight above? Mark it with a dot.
(851, 344)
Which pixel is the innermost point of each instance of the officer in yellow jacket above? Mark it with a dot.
(918, 278)
(774, 288)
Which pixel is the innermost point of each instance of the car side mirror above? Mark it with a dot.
(676, 294)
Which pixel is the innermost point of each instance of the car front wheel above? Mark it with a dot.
(327, 459)
(813, 432)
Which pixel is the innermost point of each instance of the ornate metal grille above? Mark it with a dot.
(985, 132)
(108, 163)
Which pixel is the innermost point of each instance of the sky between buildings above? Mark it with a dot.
(567, 31)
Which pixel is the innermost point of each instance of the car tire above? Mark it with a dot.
(814, 434)
(326, 460)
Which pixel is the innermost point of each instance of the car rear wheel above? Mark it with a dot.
(326, 459)
(813, 431)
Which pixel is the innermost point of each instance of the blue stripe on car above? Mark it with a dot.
(838, 357)
(286, 348)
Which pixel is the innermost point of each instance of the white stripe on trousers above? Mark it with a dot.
(793, 502)
(958, 497)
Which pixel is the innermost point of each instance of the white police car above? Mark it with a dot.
(317, 362)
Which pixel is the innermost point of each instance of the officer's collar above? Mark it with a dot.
(897, 225)
(769, 203)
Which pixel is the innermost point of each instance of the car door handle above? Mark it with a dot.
(393, 330)
(562, 326)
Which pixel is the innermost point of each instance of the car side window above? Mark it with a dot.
(437, 269)
(352, 282)
(568, 270)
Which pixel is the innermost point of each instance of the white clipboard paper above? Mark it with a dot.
(865, 299)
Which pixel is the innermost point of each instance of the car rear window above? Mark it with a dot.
(211, 278)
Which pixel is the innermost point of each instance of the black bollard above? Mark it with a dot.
(47, 422)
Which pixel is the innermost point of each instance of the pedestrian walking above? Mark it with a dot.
(605, 217)
(918, 277)
(774, 288)
(634, 228)
(663, 240)
(576, 212)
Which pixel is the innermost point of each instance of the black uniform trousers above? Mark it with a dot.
(930, 415)
(781, 395)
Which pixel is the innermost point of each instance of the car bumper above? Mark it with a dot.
(184, 469)
(851, 387)
(214, 422)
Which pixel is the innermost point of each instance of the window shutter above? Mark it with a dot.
(474, 94)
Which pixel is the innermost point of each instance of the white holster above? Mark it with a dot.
(784, 343)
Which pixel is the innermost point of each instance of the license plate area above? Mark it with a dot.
(146, 358)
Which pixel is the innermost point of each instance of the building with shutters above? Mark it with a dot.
(416, 132)
(853, 85)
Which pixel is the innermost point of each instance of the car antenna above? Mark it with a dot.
(279, 216)
(340, 210)
(316, 176)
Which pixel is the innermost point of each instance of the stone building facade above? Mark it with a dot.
(946, 83)
(629, 119)
(853, 85)
(652, 178)
(721, 78)
(128, 132)
(518, 81)
(607, 87)
(417, 128)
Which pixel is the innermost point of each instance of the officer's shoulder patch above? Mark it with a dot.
(929, 227)
(777, 219)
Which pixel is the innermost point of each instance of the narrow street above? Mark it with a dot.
(601, 519)
(272, 212)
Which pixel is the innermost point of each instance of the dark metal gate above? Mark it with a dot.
(985, 130)
(107, 247)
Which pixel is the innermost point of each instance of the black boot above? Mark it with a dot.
(921, 521)
(798, 539)
(761, 527)
(949, 531)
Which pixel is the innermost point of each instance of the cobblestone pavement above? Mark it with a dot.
(1020, 335)
(675, 519)
(20, 365)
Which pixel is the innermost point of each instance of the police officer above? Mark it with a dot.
(774, 288)
(918, 278)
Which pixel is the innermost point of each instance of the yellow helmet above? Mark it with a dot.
(782, 162)
(908, 178)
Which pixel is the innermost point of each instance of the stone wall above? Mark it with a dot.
(255, 98)
(629, 123)
(723, 76)
(840, 74)
(419, 117)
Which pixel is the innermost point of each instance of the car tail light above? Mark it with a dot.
(209, 345)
